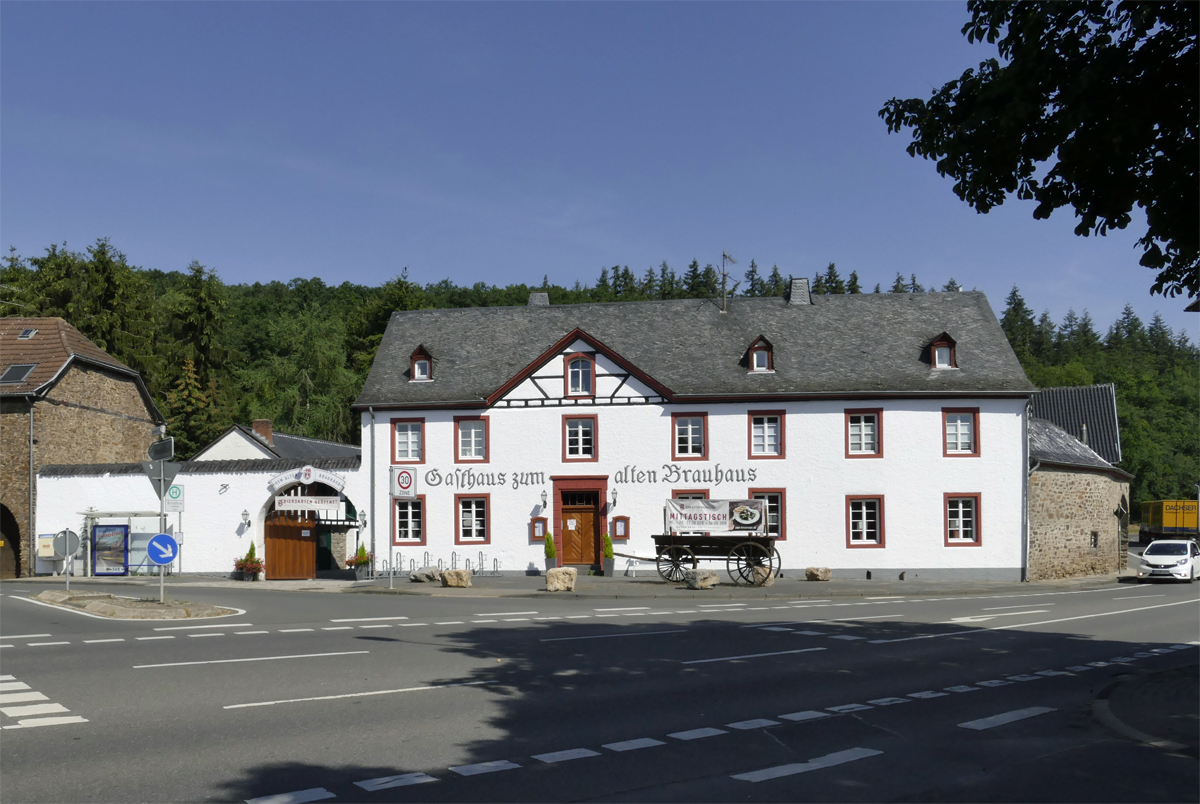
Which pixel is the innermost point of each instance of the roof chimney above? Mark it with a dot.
(539, 300)
(798, 293)
(264, 430)
(1083, 433)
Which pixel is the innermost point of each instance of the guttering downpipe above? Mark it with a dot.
(32, 530)
(371, 410)
(1025, 491)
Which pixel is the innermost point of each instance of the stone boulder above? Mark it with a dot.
(763, 576)
(561, 579)
(701, 578)
(818, 573)
(425, 575)
(459, 579)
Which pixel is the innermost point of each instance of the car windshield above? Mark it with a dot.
(1166, 550)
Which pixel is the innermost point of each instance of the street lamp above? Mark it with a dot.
(544, 499)
(245, 518)
(614, 499)
(362, 520)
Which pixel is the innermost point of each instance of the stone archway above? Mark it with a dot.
(10, 544)
(300, 544)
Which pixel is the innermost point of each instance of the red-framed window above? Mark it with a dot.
(761, 356)
(580, 438)
(471, 439)
(472, 519)
(943, 353)
(538, 528)
(408, 522)
(408, 441)
(620, 528)
(766, 431)
(963, 518)
(864, 521)
(960, 432)
(864, 432)
(776, 505)
(420, 367)
(689, 436)
(579, 374)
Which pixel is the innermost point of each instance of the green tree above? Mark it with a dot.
(192, 415)
(1092, 105)
(365, 326)
(951, 286)
(852, 286)
(915, 286)
(900, 286)
(776, 284)
(833, 282)
(1017, 323)
(818, 288)
(754, 282)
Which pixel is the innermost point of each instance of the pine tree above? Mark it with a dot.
(668, 282)
(710, 282)
(951, 286)
(754, 282)
(603, 291)
(190, 413)
(899, 286)
(833, 282)
(649, 285)
(818, 288)
(876, 288)
(1017, 323)
(776, 284)
(915, 287)
(1042, 344)
(852, 286)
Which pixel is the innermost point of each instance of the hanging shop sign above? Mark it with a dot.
(306, 503)
(716, 516)
(306, 475)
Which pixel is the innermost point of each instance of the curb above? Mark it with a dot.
(1103, 713)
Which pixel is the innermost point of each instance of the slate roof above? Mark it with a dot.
(1094, 405)
(54, 346)
(862, 344)
(270, 466)
(1049, 443)
(292, 446)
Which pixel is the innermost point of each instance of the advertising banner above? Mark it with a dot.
(744, 517)
(110, 549)
(297, 503)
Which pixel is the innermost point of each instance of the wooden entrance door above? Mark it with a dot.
(291, 542)
(580, 515)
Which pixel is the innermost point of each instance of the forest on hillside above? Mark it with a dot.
(298, 352)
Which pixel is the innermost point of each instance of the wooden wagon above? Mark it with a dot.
(733, 530)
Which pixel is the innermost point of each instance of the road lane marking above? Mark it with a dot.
(927, 694)
(21, 697)
(147, 639)
(854, 707)
(772, 628)
(410, 625)
(800, 717)
(206, 634)
(193, 627)
(1181, 647)
(569, 617)
(810, 633)
(547, 618)
(377, 625)
(11, 686)
(626, 608)
(338, 628)
(476, 622)
(1025, 606)
(365, 620)
(253, 659)
(34, 709)
(403, 780)
(293, 630)
(608, 615)
(8, 678)
(634, 614)
(847, 637)
(888, 701)
(965, 688)
(24, 636)
(1008, 717)
(827, 761)
(369, 694)
(503, 613)
(609, 636)
(40, 644)
(751, 656)
(633, 745)
(299, 797)
(485, 767)
(980, 618)
(697, 734)
(756, 723)
(1137, 597)
(1079, 668)
(46, 721)
(1023, 678)
(565, 756)
(448, 622)
(518, 619)
(995, 682)
(1051, 673)
(98, 641)
(248, 633)
(717, 605)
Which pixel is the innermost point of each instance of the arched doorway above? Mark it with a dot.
(290, 538)
(10, 544)
(301, 542)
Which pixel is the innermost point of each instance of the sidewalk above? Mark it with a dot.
(618, 588)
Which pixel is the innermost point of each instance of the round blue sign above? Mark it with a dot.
(162, 549)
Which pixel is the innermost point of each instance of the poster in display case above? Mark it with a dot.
(110, 549)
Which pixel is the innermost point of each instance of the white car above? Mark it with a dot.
(1170, 559)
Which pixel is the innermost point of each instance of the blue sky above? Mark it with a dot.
(500, 142)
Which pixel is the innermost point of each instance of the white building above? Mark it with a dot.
(888, 432)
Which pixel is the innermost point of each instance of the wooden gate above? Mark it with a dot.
(291, 542)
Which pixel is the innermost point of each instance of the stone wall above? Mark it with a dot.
(1065, 507)
(89, 416)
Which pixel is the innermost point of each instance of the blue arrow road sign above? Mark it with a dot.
(162, 549)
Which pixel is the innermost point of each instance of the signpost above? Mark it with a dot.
(162, 550)
(66, 544)
(161, 474)
(173, 503)
(404, 482)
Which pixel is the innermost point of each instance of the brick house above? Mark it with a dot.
(63, 400)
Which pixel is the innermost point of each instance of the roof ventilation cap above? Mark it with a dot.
(539, 299)
(798, 293)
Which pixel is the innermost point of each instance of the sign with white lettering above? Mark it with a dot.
(716, 516)
(173, 502)
(306, 503)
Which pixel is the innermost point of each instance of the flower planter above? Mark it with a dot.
(362, 573)
(610, 567)
(551, 563)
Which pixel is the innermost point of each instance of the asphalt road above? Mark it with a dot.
(308, 697)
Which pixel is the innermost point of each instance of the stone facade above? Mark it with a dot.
(89, 416)
(1066, 507)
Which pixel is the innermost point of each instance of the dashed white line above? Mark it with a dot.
(21, 697)
(854, 707)
(365, 619)
(565, 756)
(98, 641)
(46, 721)
(369, 694)
(827, 761)
(751, 656)
(403, 780)
(293, 630)
(609, 636)
(1007, 717)
(147, 639)
(249, 633)
(1025, 606)
(485, 767)
(927, 694)
(448, 622)
(40, 644)
(633, 745)
(888, 701)
(338, 628)
(756, 723)
(24, 636)
(299, 797)
(626, 608)
(697, 734)
(503, 613)
(193, 627)
(799, 717)
(377, 625)
(252, 659)
(209, 634)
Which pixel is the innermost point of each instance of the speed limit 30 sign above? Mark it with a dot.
(404, 482)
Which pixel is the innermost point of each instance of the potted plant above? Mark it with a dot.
(551, 552)
(610, 563)
(250, 566)
(361, 562)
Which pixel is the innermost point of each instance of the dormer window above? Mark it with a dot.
(761, 359)
(942, 352)
(27, 334)
(581, 374)
(422, 366)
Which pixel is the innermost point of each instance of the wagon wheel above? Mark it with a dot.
(776, 562)
(742, 560)
(673, 561)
